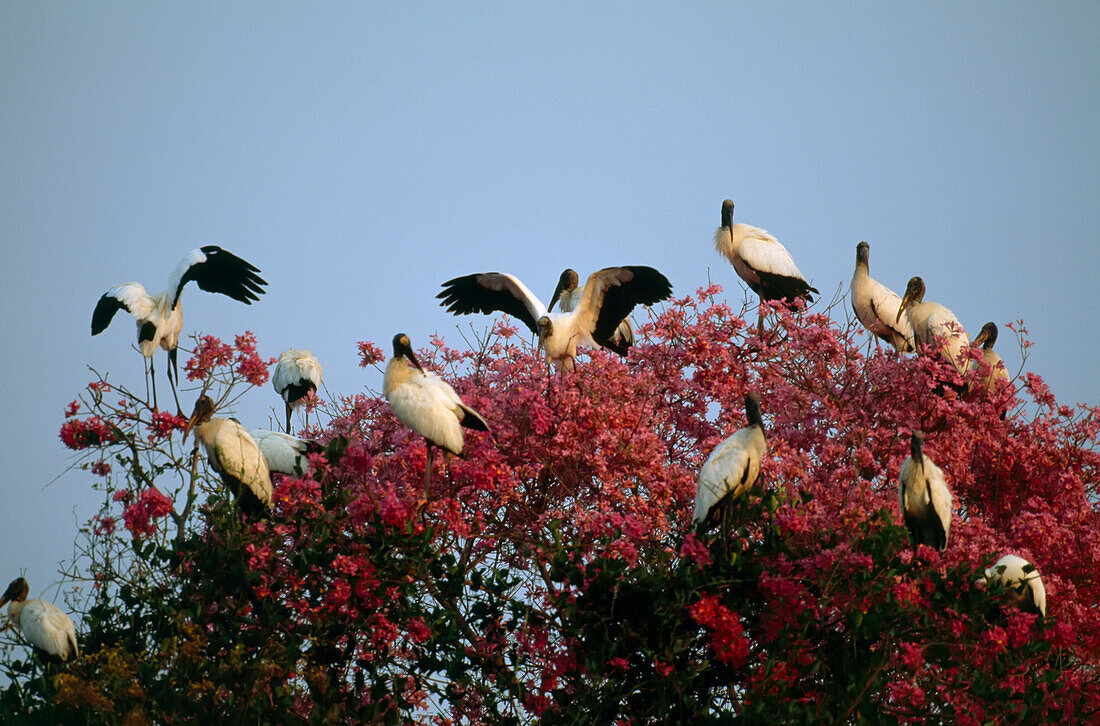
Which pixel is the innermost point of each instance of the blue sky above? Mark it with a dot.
(363, 153)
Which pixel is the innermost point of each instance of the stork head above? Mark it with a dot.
(17, 591)
(914, 293)
(402, 348)
(546, 328)
(727, 213)
(752, 409)
(566, 283)
(863, 253)
(204, 409)
(916, 446)
(988, 336)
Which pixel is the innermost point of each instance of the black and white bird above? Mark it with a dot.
(765, 265)
(1021, 579)
(160, 318)
(877, 306)
(994, 366)
(609, 296)
(933, 324)
(570, 296)
(924, 497)
(42, 623)
(284, 453)
(235, 455)
(427, 404)
(297, 374)
(732, 467)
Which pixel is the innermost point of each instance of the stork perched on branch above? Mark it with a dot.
(1022, 580)
(924, 497)
(571, 295)
(996, 367)
(877, 306)
(41, 623)
(933, 324)
(235, 455)
(297, 374)
(732, 467)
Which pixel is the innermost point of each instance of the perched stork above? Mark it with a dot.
(877, 306)
(296, 374)
(571, 295)
(160, 318)
(609, 296)
(42, 623)
(284, 453)
(235, 455)
(763, 263)
(1021, 579)
(924, 497)
(996, 367)
(933, 324)
(426, 404)
(732, 467)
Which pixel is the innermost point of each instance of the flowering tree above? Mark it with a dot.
(553, 573)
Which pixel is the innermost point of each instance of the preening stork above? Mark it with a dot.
(924, 497)
(42, 623)
(877, 306)
(160, 318)
(284, 453)
(1022, 580)
(765, 265)
(235, 455)
(426, 404)
(995, 367)
(732, 467)
(296, 374)
(933, 324)
(608, 298)
(571, 295)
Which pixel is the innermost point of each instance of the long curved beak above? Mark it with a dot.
(187, 429)
(412, 359)
(904, 304)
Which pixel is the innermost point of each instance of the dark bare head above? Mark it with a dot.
(914, 293)
(17, 591)
(863, 253)
(727, 213)
(752, 409)
(916, 447)
(988, 336)
(566, 283)
(402, 348)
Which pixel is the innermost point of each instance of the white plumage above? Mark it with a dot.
(284, 453)
(570, 296)
(924, 497)
(933, 324)
(609, 296)
(877, 306)
(42, 623)
(733, 465)
(297, 373)
(160, 318)
(1022, 580)
(235, 455)
(994, 366)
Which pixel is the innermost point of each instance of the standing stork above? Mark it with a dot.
(732, 467)
(42, 623)
(924, 497)
(284, 453)
(1021, 579)
(160, 317)
(297, 373)
(996, 367)
(877, 306)
(571, 295)
(235, 455)
(765, 265)
(426, 404)
(608, 298)
(933, 324)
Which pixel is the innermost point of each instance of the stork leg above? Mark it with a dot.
(287, 416)
(427, 474)
(173, 366)
(153, 377)
(760, 321)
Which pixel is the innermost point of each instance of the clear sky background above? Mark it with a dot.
(362, 153)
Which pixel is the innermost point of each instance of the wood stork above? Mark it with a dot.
(285, 453)
(235, 455)
(765, 265)
(933, 324)
(426, 404)
(924, 497)
(160, 318)
(1021, 579)
(732, 467)
(571, 295)
(609, 296)
(42, 623)
(296, 374)
(996, 370)
(877, 306)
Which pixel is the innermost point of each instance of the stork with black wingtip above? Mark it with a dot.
(924, 497)
(569, 293)
(234, 455)
(732, 467)
(877, 306)
(1021, 578)
(933, 324)
(41, 623)
(297, 374)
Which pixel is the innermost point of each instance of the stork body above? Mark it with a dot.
(426, 403)
(732, 467)
(235, 455)
(570, 296)
(933, 324)
(994, 366)
(1025, 587)
(608, 297)
(41, 623)
(284, 453)
(297, 374)
(877, 306)
(761, 261)
(924, 497)
(160, 318)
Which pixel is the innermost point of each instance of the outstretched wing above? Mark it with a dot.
(129, 295)
(489, 292)
(216, 270)
(611, 294)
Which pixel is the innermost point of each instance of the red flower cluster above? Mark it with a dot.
(80, 434)
(727, 635)
(139, 516)
(164, 423)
